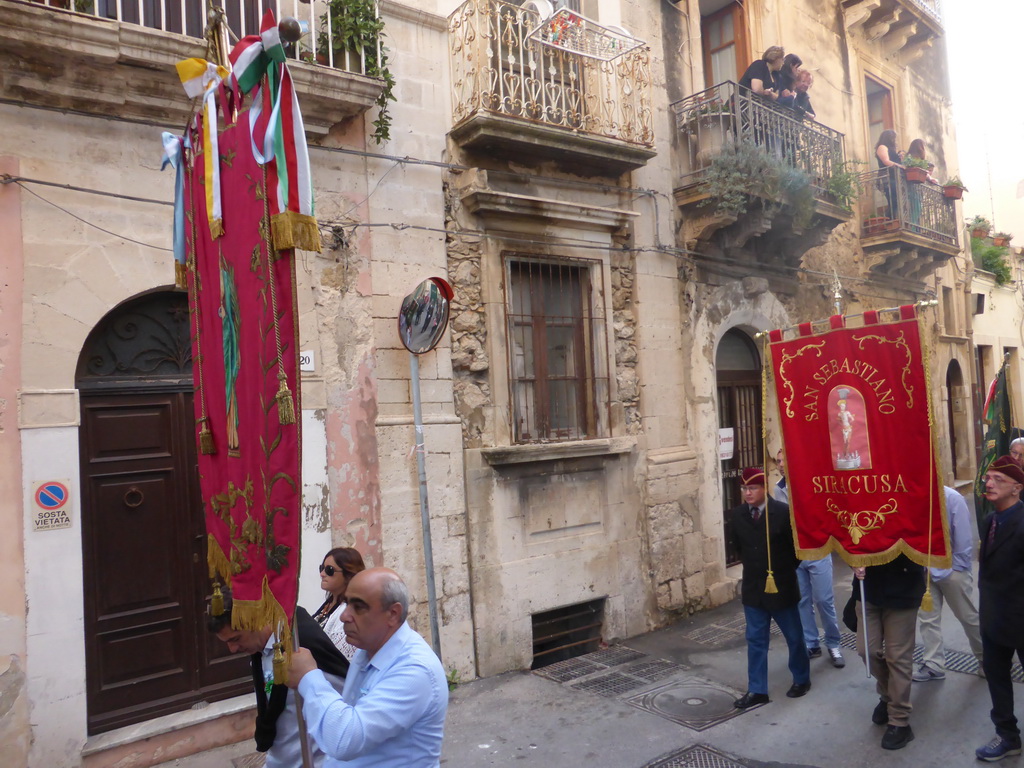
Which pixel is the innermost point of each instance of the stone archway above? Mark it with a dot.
(143, 537)
(958, 424)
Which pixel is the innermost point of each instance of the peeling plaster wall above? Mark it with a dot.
(15, 731)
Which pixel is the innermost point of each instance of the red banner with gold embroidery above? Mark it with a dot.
(243, 306)
(860, 461)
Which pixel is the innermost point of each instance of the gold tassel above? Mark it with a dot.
(927, 604)
(206, 445)
(280, 672)
(769, 584)
(292, 229)
(285, 406)
(217, 601)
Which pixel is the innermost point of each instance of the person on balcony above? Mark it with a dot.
(785, 79)
(917, 150)
(802, 102)
(760, 75)
(889, 160)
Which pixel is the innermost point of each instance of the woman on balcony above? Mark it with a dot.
(760, 75)
(786, 77)
(889, 160)
(760, 79)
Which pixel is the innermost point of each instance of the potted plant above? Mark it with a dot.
(844, 184)
(916, 169)
(954, 188)
(979, 226)
(1001, 239)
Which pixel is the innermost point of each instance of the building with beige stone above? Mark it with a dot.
(603, 329)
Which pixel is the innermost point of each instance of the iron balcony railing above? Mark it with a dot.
(324, 43)
(929, 7)
(498, 68)
(891, 204)
(728, 114)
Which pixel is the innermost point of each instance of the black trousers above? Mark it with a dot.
(996, 662)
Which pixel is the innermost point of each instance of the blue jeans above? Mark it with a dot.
(758, 639)
(815, 577)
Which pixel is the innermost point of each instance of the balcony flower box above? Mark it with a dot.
(879, 225)
(917, 175)
(953, 192)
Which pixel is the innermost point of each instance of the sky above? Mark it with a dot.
(984, 43)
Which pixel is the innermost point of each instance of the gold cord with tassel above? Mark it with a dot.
(927, 604)
(285, 404)
(769, 583)
(217, 600)
(280, 670)
(206, 445)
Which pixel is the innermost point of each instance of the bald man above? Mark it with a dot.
(392, 709)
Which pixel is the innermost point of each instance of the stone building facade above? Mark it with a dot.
(603, 328)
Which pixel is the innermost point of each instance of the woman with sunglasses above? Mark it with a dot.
(337, 569)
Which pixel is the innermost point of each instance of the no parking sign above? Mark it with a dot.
(51, 505)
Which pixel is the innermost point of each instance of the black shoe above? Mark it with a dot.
(897, 737)
(881, 714)
(749, 699)
(798, 689)
(813, 653)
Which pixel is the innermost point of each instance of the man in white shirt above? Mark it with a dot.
(395, 700)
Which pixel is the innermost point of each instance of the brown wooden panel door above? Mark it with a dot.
(147, 651)
(739, 407)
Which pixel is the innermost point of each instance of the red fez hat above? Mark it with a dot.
(755, 476)
(1006, 465)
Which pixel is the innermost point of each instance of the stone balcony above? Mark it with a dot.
(720, 132)
(907, 229)
(85, 62)
(904, 28)
(526, 100)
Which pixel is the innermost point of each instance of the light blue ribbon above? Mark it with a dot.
(173, 146)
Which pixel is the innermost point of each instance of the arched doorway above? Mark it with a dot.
(738, 375)
(143, 536)
(956, 420)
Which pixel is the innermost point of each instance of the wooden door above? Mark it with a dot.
(147, 650)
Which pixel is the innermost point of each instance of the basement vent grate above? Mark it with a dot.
(570, 669)
(694, 757)
(610, 685)
(567, 633)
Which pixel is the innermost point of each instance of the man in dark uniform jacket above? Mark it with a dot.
(762, 533)
(1001, 584)
(277, 731)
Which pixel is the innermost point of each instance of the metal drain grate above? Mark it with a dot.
(254, 760)
(612, 684)
(613, 656)
(713, 635)
(956, 661)
(695, 757)
(653, 671)
(570, 669)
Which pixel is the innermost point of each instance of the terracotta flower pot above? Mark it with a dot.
(1000, 242)
(917, 175)
(953, 193)
(979, 233)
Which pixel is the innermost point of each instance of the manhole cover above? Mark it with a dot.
(611, 684)
(694, 757)
(613, 656)
(695, 703)
(570, 669)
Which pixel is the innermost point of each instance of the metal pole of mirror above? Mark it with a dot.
(421, 324)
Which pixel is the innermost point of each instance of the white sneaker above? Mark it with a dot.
(925, 673)
(837, 658)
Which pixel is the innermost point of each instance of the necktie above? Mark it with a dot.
(991, 534)
(755, 512)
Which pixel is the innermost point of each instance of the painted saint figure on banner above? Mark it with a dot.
(848, 430)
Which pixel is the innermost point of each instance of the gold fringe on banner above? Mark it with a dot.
(292, 229)
(257, 614)
(217, 561)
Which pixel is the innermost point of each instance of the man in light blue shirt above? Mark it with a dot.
(392, 709)
(955, 587)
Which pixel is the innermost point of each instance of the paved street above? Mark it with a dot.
(620, 707)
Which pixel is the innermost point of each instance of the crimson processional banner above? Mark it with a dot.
(247, 202)
(860, 461)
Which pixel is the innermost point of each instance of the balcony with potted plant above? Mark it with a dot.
(534, 85)
(908, 227)
(980, 227)
(750, 169)
(106, 57)
(953, 188)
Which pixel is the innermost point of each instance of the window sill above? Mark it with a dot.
(523, 454)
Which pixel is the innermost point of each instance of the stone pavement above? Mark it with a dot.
(664, 700)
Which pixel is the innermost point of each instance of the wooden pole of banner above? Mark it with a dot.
(307, 757)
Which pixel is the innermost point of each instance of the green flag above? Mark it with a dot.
(998, 416)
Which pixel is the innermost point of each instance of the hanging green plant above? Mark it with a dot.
(357, 32)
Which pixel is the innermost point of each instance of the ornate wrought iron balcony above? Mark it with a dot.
(907, 228)
(727, 115)
(513, 92)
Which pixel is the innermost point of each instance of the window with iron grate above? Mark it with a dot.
(557, 349)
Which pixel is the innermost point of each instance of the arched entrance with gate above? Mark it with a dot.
(958, 422)
(143, 537)
(738, 378)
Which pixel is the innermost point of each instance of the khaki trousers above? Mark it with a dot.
(892, 665)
